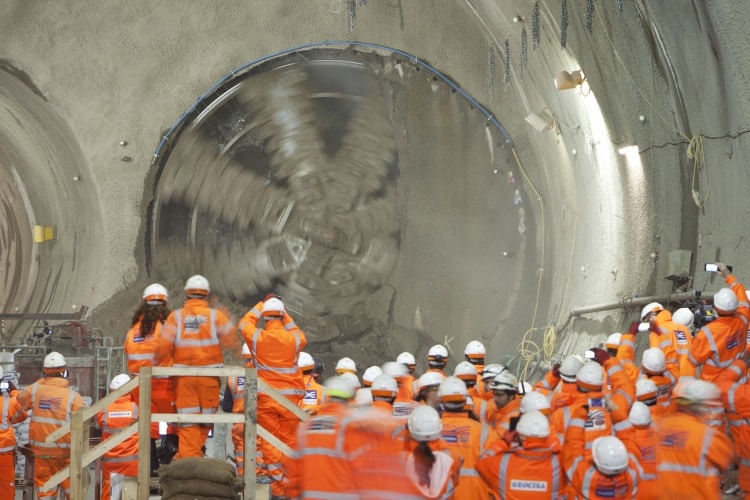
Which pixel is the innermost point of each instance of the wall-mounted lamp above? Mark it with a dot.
(541, 122)
(566, 81)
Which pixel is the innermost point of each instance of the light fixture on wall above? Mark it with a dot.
(567, 81)
(541, 122)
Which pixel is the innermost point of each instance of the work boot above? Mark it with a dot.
(154, 459)
(169, 448)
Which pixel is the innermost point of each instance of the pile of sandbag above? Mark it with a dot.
(199, 479)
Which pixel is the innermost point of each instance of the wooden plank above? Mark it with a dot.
(92, 410)
(276, 442)
(77, 448)
(270, 391)
(144, 432)
(251, 422)
(197, 371)
(199, 418)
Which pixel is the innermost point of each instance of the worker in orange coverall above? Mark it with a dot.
(141, 347)
(275, 348)
(691, 455)
(123, 458)
(10, 413)
(51, 402)
(234, 402)
(525, 463)
(674, 339)
(735, 396)
(645, 437)
(313, 397)
(559, 383)
(724, 339)
(193, 336)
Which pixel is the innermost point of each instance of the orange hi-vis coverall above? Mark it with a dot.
(376, 442)
(648, 486)
(736, 399)
(586, 481)
(674, 340)
(142, 351)
(313, 396)
(664, 382)
(443, 474)
(123, 458)
(724, 339)
(193, 336)
(690, 455)
(626, 356)
(320, 466)
(530, 471)
(236, 386)
(495, 418)
(485, 407)
(51, 403)
(559, 392)
(275, 351)
(10, 413)
(468, 438)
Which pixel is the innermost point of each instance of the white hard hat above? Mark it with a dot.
(351, 378)
(395, 369)
(649, 308)
(429, 379)
(590, 377)
(535, 401)
(339, 387)
(610, 455)
(273, 307)
(524, 387)
(683, 316)
(452, 389)
(155, 293)
(725, 301)
(371, 374)
(569, 367)
(645, 390)
(465, 370)
(533, 424)
(653, 361)
(695, 391)
(346, 365)
(54, 360)
(492, 370)
(406, 358)
(384, 386)
(197, 285)
(475, 349)
(640, 414)
(613, 341)
(363, 397)
(425, 424)
(437, 352)
(118, 381)
(2, 373)
(245, 351)
(504, 381)
(305, 360)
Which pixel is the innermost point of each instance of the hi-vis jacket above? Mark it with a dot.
(736, 399)
(313, 396)
(559, 394)
(724, 339)
(675, 342)
(52, 403)
(194, 335)
(115, 417)
(468, 438)
(648, 486)
(275, 351)
(142, 351)
(12, 413)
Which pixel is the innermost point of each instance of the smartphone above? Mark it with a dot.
(713, 268)
(513, 423)
(589, 355)
(4, 386)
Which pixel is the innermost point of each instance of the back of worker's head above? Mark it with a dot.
(319, 366)
(648, 310)
(698, 397)
(535, 401)
(273, 308)
(466, 372)
(725, 302)
(646, 391)
(437, 356)
(640, 415)
(533, 424)
(613, 343)
(352, 378)
(425, 424)
(155, 294)
(452, 393)
(344, 365)
(363, 398)
(370, 374)
(55, 365)
(684, 316)
(475, 352)
(395, 369)
(491, 371)
(118, 381)
(590, 377)
(305, 362)
(610, 455)
(339, 389)
(384, 388)
(569, 368)
(408, 360)
(653, 361)
(197, 287)
(429, 380)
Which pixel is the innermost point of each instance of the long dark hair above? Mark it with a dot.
(149, 315)
(424, 459)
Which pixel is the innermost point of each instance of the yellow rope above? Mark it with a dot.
(529, 350)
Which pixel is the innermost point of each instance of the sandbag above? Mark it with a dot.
(208, 469)
(196, 487)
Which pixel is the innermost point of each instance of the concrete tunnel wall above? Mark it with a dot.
(128, 71)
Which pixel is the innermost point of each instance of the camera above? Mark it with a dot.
(4, 386)
(702, 312)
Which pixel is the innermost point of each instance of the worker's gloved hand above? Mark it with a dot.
(633, 330)
(556, 370)
(600, 355)
(272, 295)
(510, 437)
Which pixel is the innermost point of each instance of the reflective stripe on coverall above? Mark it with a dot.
(468, 438)
(123, 458)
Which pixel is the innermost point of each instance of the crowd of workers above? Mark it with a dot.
(597, 426)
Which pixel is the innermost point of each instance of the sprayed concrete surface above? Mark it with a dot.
(589, 225)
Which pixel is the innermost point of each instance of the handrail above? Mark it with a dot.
(81, 457)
